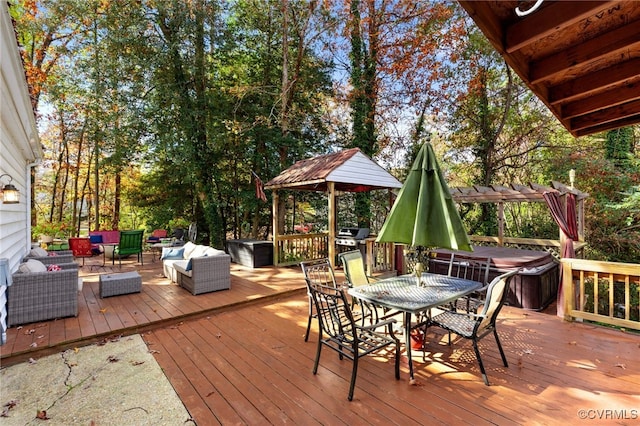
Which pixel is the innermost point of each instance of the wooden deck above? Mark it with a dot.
(239, 357)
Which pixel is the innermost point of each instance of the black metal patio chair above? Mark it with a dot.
(475, 326)
(339, 331)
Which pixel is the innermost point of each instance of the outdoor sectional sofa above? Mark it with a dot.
(41, 296)
(197, 268)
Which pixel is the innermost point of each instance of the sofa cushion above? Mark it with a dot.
(38, 252)
(188, 267)
(189, 247)
(32, 265)
(199, 251)
(172, 253)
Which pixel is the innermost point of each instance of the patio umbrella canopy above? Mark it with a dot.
(424, 213)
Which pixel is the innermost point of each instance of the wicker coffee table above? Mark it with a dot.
(121, 283)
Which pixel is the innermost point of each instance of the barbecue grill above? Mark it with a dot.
(351, 239)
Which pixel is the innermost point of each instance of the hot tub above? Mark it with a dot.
(534, 287)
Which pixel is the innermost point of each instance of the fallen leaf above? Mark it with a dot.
(137, 362)
(5, 413)
(32, 361)
(34, 345)
(113, 358)
(211, 393)
(528, 352)
(30, 331)
(624, 367)
(76, 350)
(11, 404)
(573, 342)
(218, 335)
(153, 351)
(40, 336)
(103, 310)
(42, 415)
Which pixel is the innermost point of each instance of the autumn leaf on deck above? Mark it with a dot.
(103, 310)
(113, 358)
(136, 362)
(42, 415)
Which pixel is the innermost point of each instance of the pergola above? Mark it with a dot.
(532, 193)
(345, 171)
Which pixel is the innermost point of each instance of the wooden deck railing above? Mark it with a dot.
(605, 292)
(293, 249)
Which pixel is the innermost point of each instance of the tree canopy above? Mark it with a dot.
(153, 111)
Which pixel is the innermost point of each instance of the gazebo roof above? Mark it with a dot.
(514, 193)
(350, 170)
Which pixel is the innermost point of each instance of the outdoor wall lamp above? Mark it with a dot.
(10, 194)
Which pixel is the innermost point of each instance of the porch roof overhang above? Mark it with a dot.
(581, 58)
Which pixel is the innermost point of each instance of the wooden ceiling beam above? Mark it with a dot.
(607, 115)
(629, 121)
(616, 96)
(609, 44)
(548, 20)
(593, 82)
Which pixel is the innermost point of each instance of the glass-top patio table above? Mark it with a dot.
(404, 294)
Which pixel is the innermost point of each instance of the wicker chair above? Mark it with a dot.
(52, 260)
(41, 296)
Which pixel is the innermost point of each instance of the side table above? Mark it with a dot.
(120, 283)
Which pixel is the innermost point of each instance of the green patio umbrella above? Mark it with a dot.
(424, 213)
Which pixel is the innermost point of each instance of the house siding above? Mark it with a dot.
(20, 145)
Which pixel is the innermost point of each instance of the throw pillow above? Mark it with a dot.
(188, 267)
(52, 268)
(95, 239)
(38, 252)
(172, 253)
(32, 265)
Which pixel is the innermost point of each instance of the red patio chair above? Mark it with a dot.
(81, 247)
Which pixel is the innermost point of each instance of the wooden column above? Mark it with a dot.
(275, 223)
(331, 193)
(501, 224)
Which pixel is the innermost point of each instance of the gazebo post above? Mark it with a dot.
(331, 193)
(276, 254)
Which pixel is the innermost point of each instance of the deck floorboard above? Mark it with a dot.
(239, 357)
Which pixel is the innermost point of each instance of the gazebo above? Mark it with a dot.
(349, 170)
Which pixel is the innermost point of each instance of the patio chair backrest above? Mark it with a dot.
(469, 268)
(80, 247)
(318, 272)
(130, 242)
(354, 269)
(496, 297)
